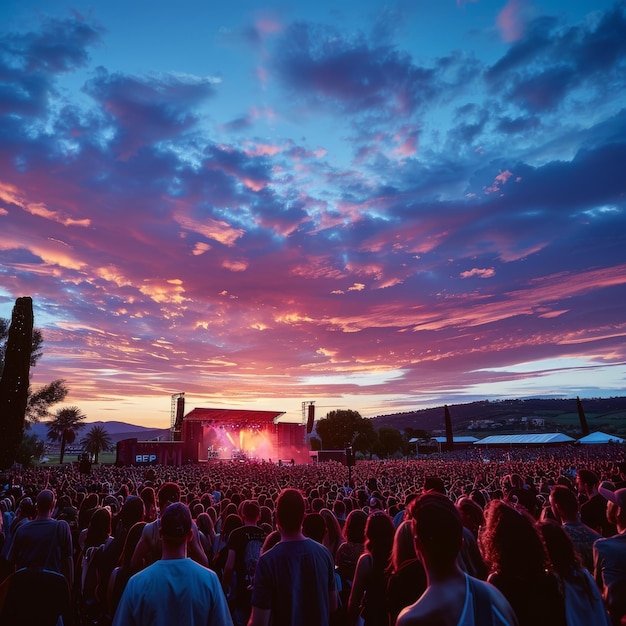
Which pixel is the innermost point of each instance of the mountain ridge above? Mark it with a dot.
(116, 430)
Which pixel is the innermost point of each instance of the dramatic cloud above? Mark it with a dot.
(384, 208)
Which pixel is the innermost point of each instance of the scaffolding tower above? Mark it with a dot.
(176, 422)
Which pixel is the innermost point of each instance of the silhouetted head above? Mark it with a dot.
(250, 511)
(168, 494)
(176, 524)
(314, 527)
(438, 527)
(290, 508)
(45, 501)
(354, 528)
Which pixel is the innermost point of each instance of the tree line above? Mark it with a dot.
(343, 428)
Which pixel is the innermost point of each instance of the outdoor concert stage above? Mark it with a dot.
(209, 435)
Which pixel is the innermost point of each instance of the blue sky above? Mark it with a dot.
(374, 206)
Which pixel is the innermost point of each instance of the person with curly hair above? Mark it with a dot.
(452, 597)
(517, 560)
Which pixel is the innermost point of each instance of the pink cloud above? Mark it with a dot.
(251, 183)
(259, 113)
(498, 182)
(551, 314)
(211, 229)
(235, 265)
(260, 149)
(12, 195)
(409, 142)
(481, 273)
(268, 26)
(512, 20)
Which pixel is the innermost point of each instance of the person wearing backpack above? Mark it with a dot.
(243, 551)
(44, 542)
(89, 564)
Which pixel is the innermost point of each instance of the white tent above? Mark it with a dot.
(524, 440)
(599, 437)
(456, 439)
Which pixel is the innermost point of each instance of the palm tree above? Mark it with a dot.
(64, 426)
(97, 440)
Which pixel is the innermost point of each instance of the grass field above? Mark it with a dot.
(105, 458)
(613, 423)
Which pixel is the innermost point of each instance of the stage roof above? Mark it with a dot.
(233, 416)
(524, 440)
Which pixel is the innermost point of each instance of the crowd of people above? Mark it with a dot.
(504, 537)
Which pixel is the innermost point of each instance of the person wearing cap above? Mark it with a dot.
(149, 545)
(609, 554)
(452, 597)
(175, 589)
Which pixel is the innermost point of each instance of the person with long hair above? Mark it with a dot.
(120, 574)
(406, 575)
(583, 602)
(471, 514)
(368, 597)
(86, 510)
(98, 532)
(333, 537)
(220, 553)
(207, 534)
(517, 560)
(89, 564)
(350, 550)
(132, 511)
(148, 495)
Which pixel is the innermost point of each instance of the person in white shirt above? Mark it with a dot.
(175, 589)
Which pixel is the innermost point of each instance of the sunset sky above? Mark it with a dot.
(381, 206)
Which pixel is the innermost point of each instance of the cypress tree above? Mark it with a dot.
(15, 380)
(449, 435)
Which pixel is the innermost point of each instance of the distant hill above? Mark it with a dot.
(605, 414)
(117, 431)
